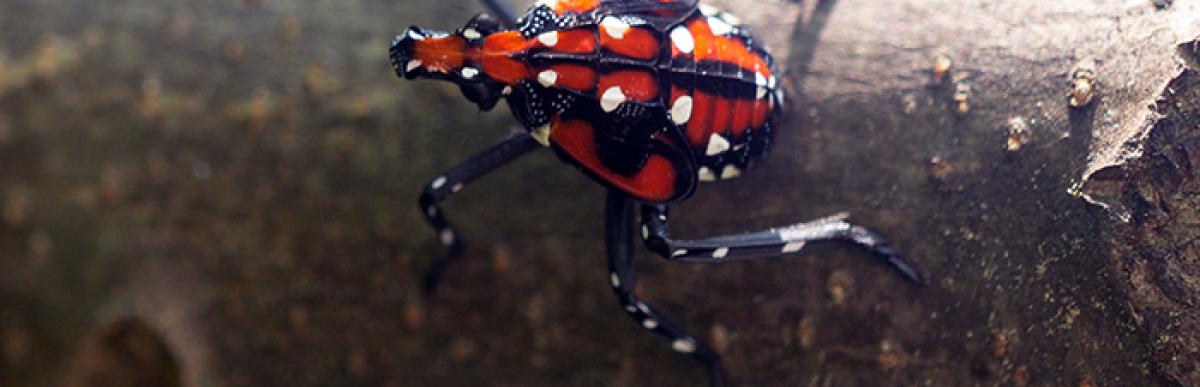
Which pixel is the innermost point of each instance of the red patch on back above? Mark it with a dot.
(496, 56)
(573, 41)
(700, 125)
(725, 49)
(742, 112)
(655, 182)
(574, 76)
(636, 43)
(761, 109)
(722, 112)
(563, 6)
(637, 85)
(445, 53)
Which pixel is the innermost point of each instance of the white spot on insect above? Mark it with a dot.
(679, 252)
(731, 18)
(793, 234)
(681, 110)
(771, 82)
(615, 280)
(760, 93)
(709, 10)
(645, 232)
(611, 98)
(412, 65)
(706, 174)
(438, 182)
(721, 252)
(548, 78)
(684, 345)
(548, 39)
(434, 69)
(469, 72)
(792, 247)
(614, 27)
(471, 33)
(507, 90)
(719, 27)
(759, 79)
(716, 145)
(730, 172)
(447, 237)
(650, 323)
(414, 35)
(542, 134)
(642, 306)
(682, 38)
(457, 187)
(630, 308)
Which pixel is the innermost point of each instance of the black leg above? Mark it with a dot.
(451, 182)
(767, 243)
(618, 239)
(503, 11)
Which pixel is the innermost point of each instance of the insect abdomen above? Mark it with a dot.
(730, 86)
(702, 74)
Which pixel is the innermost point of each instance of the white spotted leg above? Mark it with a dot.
(619, 242)
(451, 182)
(768, 243)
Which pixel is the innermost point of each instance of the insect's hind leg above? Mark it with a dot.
(451, 182)
(768, 243)
(618, 240)
(503, 11)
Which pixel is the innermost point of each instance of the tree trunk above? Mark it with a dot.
(230, 186)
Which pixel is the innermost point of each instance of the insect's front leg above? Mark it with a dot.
(452, 181)
(618, 240)
(767, 243)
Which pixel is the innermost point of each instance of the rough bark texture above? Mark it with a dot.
(1155, 254)
(224, 193)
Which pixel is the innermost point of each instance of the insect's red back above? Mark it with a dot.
(646, 96)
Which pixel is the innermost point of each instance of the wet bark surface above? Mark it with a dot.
(224, 193)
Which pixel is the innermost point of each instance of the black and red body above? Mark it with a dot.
(648, 97)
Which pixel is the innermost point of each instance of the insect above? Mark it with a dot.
(647, 97)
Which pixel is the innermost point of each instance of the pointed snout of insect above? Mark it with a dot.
(401, 52)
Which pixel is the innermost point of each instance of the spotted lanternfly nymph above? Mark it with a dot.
(647, 97)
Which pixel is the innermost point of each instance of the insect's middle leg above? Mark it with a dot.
(619, 241)
(453, 180)
(767, 243)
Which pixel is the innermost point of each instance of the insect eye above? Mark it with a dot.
(484, 24)
(400, 51)
(484, 94)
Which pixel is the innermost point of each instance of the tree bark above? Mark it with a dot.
(234, 184)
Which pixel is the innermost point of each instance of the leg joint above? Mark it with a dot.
(654, 230)
(659, 245)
